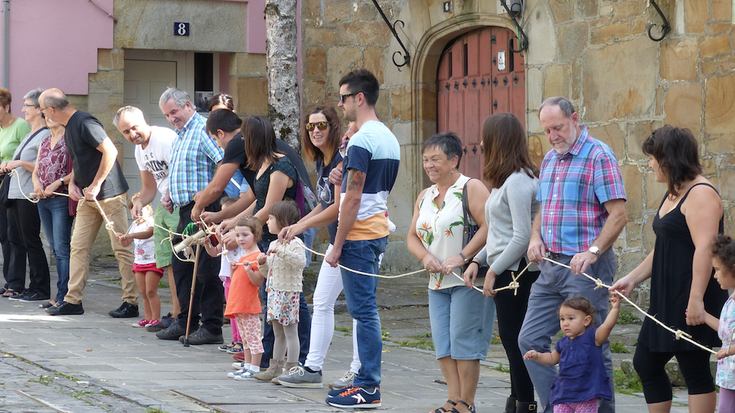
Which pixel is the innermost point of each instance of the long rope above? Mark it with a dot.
(679, 334)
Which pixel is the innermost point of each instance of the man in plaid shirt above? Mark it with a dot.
(582, 213)
(193, 160)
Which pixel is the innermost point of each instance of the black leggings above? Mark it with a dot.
(694, 367)
(511, 310)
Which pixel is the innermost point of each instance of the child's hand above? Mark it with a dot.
(233, 267)
(722, 354)
(261, 258)
(531, 355)
(120, 236)
(615, 300)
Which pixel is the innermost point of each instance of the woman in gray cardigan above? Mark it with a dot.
(509, 213)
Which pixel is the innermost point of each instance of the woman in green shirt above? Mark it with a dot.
(12, 131)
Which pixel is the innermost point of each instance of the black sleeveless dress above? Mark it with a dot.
(671, 280)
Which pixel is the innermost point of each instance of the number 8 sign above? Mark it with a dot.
(181, 29)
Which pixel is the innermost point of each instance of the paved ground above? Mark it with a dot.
(93, 363)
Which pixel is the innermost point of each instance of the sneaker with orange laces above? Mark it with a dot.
(141, 323)
(354, 397)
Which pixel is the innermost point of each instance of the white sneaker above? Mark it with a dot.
(248, 375)
(238, 364)
(236, 373)
(343, 381)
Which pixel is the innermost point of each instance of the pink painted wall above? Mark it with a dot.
(53, 43)
(256, 25)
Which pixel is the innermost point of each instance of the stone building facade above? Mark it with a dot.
(595, 52)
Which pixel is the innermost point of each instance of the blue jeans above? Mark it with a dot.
(309, 236)
(56, 222)
(360, 294)
(555, 285)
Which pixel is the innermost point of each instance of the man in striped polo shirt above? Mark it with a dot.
(371, 162)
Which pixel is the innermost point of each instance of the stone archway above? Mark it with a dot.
(424, 68)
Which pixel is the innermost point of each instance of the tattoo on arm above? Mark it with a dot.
(355, 180)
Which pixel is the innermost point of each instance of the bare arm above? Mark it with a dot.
(348, 212)
(109, 154)
(146, 195)
(641, 273)
(549, 359)
(603, 331)
(703, 210)
(479, 195)
(416, 247)
(214, 189)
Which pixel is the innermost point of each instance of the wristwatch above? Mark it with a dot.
(593, 249)
(61, 180)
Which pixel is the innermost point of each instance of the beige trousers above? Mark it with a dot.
(86, 226)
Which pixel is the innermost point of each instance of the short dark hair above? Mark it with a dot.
(334, 139)
(677, 153)
(228, 200)
(448, 142)
(58, 103)
(580, 304)
(223, 119)
(566, 106)
(259, 139)
(221, 99)
(286, 212)
(723, 248)
(362, 80)
(506, 149)
(253, 224)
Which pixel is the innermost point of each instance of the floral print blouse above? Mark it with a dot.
(440, 229)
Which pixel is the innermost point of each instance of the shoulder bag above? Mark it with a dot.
(470, 229)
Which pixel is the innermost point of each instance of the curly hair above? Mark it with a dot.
(723, 248)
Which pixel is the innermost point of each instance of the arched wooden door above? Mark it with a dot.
(478, 76)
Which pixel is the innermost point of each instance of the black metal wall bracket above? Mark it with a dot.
(665, 27)
(405, 55)
(523, 39)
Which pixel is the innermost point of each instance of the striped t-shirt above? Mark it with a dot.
(373, 150)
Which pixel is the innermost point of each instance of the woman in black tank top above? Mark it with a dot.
(683, 288)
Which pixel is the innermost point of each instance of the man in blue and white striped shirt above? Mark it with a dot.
(194, 158)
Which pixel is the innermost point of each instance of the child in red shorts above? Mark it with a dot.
(147, 275)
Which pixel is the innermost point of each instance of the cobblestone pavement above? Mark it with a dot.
(94, 363)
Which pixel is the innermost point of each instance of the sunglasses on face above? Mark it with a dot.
(321, 125)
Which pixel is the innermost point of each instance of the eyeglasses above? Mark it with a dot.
(42, 109)
(342, 97)
(321, 125)
(25, 105)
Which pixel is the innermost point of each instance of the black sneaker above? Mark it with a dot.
(19, 296)
(28, 297)
(126, 310)
(203, 336)
(66, 308)
(161, 325)
(173, 332)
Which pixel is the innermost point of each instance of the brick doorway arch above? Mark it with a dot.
(478, 75)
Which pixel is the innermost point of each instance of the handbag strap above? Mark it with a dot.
(27, 141)
(466, 204)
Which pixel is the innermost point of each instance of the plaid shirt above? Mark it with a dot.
(194, 158)
(572, 188)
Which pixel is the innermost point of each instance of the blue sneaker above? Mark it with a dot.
(335, 392)
(353, 397)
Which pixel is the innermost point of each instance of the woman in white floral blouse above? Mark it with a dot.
(461, 318)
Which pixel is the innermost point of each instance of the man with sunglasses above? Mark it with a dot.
(371, 160)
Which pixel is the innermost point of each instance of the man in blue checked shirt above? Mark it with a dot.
(193, 160)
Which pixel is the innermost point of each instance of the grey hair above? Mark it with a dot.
(59, 103)
(179, 96)
(567, 108)
(123, 110)
(33, 96)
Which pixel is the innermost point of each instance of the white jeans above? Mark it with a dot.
(328, 288)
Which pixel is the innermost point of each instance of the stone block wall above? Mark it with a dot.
(625, 85)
